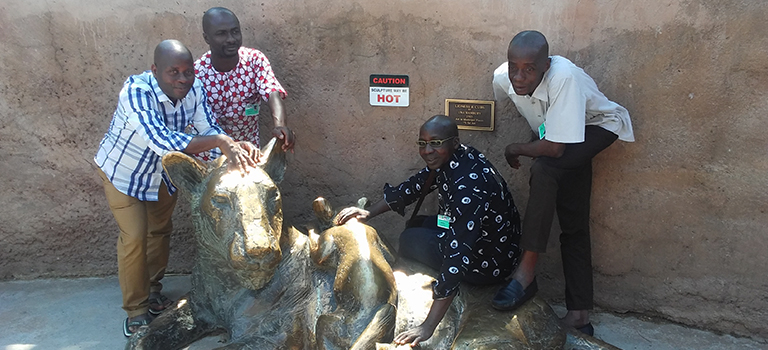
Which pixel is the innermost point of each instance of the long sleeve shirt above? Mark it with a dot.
(484, 229)
(145, 126)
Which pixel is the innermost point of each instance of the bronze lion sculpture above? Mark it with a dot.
(254, 278)
(266, 285)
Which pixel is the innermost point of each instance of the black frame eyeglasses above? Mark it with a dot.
(433, 143)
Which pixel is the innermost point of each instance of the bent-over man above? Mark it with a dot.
(153, 110)
(573, 122)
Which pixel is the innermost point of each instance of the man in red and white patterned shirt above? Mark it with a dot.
(237, 79)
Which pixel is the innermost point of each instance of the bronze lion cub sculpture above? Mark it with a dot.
(364, 286)
(265, 285)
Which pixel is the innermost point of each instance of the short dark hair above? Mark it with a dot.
(212, 11)
(170, 48)
(531, 39)
(443, 122)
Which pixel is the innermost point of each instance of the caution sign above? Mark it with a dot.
(389, 90)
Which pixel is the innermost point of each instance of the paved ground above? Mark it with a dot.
(79, 314)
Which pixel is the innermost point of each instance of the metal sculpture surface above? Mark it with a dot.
(264, 285)
(471, 323)
(364, 291)
(254, 279)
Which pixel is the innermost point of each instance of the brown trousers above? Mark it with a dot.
(142, 247)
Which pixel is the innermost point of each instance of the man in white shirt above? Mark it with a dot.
(573, 121)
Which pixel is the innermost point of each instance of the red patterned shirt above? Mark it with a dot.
(229, 93)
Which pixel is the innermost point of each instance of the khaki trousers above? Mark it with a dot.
(142, 247)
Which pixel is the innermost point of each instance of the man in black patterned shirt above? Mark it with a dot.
(475, 236)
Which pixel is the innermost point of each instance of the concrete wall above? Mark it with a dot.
(679, 217)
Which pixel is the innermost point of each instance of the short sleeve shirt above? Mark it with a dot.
(230, 93)
(484, 229)
(566, 100)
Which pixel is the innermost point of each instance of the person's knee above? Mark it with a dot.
(404, 245)
(543, 175)
(132, 238)
(537, 168)
(541, 167)
(163, 231)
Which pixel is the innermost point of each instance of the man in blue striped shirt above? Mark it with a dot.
(152, 113)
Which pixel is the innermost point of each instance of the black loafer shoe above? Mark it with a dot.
(513, 295)
(587, 329)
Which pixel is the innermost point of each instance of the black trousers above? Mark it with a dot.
(421, 244)
(565, 184)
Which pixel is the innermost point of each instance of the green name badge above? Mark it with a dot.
(542, 131)
(443, 221)
(251, 110)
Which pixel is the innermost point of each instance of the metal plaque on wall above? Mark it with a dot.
(471, 114)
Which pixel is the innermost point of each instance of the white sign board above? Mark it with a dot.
(389, 97)
(387, 90)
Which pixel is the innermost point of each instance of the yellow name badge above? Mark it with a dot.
(251, 110)
(443, 221)
(542, 131)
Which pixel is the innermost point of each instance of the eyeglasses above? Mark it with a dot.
(433, 143)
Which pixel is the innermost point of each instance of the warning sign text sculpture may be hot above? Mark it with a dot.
(389, 90)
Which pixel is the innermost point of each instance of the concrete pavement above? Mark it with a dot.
(85, 314)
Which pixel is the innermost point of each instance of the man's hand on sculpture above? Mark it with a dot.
(414, 336)
(286, 135)
(252, 151)
(347, 214)
(239, 159)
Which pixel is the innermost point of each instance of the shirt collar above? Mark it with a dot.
(541, 91)
(455, 157)
(459, 152)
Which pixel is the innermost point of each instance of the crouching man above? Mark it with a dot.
(475, 237)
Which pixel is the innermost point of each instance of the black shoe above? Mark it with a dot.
(158, 303)
(513, 295)
(138, 321)
(587, 329)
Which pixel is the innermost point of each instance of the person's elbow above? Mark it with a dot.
(558, 151)
(554, 149)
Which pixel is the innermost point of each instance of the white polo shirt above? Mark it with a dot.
(566, 101)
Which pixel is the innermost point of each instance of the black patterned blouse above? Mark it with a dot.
(484, 223)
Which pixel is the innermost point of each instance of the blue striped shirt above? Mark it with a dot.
(145, 126)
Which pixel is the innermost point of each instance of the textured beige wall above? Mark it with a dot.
(679, 217)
